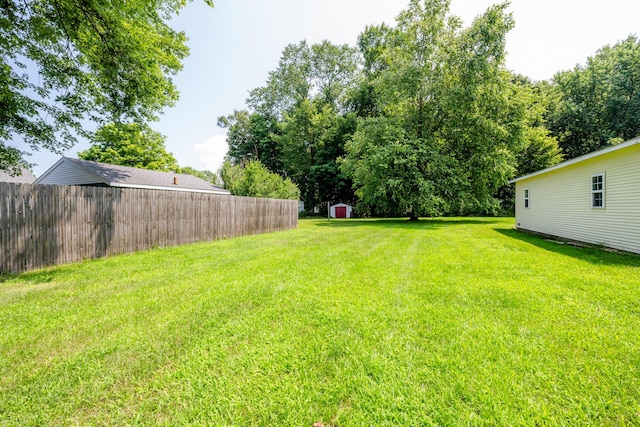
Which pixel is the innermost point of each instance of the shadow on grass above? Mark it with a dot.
(592, 254)
(46, 274)
(40, 276)
(423, 223)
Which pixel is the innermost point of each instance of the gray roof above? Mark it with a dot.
(26, 177)
(125, 176)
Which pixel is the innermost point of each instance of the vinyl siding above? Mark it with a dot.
(560, 201)
(66, 173)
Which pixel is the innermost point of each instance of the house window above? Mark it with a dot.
(526, 197)
(597, 191)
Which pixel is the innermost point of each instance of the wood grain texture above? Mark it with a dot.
(43, 225)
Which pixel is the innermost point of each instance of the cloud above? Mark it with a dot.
(212, 151)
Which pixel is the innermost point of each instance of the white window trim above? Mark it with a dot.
(527, 197)
(602, 174)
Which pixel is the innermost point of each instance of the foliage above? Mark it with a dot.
(438, 322)
(206, 175)
(447, 133)
(311, 139)
(299, 121)
(254, 180)
(132, 145)
(302, 132)
(539, 149)
(251, 137)
(11, 160)
(597, 105)
(372, 45)
(66, 63)
(333, 184)
(321, 72)
(396, 173)
(424, 119)
(539, 152)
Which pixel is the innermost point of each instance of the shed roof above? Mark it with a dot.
(579, 159)
(25, 178)
(125, 176)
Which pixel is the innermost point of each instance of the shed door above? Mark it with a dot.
(341, 211)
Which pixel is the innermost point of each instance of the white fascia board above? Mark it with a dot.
(592, 155)
(152, 187)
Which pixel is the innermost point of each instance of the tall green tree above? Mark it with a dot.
(396, 173)
(251, 136)
(311, 139)
(332, 183)
(66, 63)
(447, 132)
(598, 104)
(373, 43)
(322, 72)
(298, 124)
(132, 145)
(539, 149)
(303, 132)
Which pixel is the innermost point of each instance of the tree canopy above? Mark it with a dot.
(254, 180)
(322, 72)
(445, 137)
(250, 137)
(132, 145)
(207, 175)
(423, 118)
(598, 104)
(66, 63)
(300, 120)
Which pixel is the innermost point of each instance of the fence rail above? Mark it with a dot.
(42, 225)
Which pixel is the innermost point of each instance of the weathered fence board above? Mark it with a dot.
(42, 225)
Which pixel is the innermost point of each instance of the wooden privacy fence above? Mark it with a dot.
(42, 225)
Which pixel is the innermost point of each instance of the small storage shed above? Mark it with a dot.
(68, 171)
(340, 210)
(594, 198)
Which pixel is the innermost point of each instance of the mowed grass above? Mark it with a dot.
(351, 323)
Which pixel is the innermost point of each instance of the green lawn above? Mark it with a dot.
(352, 323)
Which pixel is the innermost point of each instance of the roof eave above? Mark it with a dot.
(70, 161)
(154, 187)
(582, 158)
(48, 171)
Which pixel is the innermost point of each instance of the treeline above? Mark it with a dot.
(423, 118)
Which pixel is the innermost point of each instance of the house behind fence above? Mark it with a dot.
(68, 171)
(25, 177)
(42, 225)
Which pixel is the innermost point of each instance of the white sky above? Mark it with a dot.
(236, 44)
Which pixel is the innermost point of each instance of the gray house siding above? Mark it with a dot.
(66, 173)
